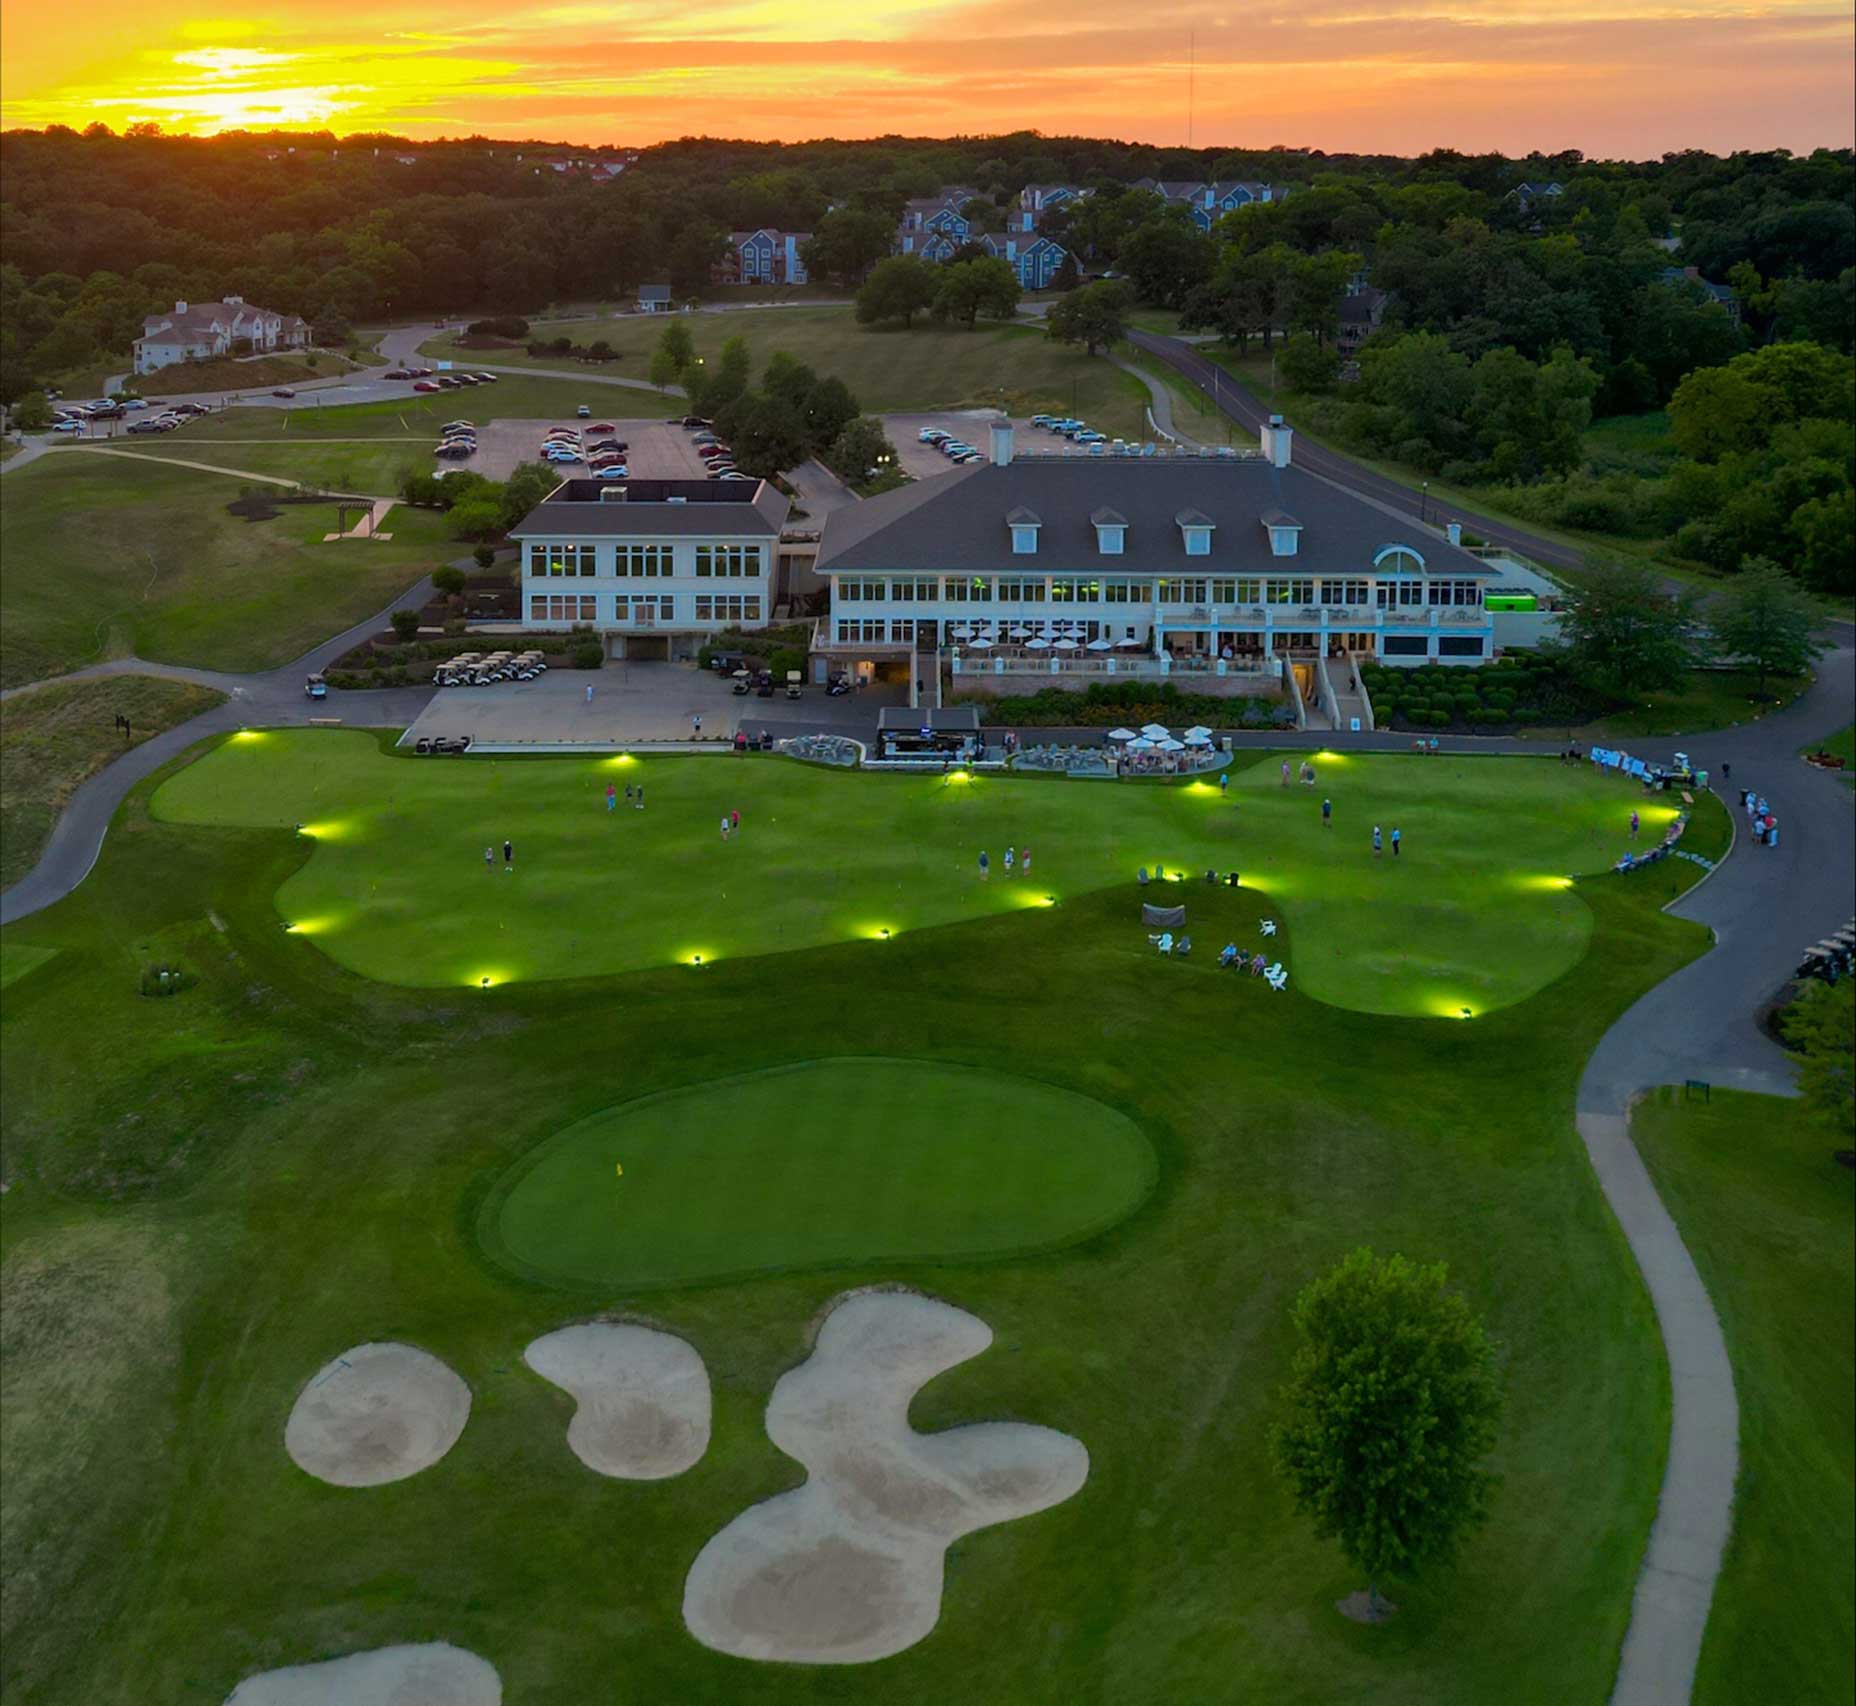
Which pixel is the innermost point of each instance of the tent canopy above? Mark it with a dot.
(1162, 917)
(1155, 731)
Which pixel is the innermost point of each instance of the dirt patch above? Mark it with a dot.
(1363, 1607)
(377, 1413)
(432, 1674)
(848, 1568)
(642, 1398)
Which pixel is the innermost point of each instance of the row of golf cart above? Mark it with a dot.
(441, 746)
(474, 669)
(760, 683)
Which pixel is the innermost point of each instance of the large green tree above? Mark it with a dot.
(1764, 623)
(969, 289)
(1821, 1027)
(898, 288)
(674, 352)
(1096, 316)
(1393, 1407)
(1623, 632)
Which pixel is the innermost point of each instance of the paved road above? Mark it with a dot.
(1242, 406)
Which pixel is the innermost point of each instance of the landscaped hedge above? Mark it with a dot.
(1132, 702)
(1510, 693)
(384, 663)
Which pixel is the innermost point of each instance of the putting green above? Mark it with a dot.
(1477, 911)
(816, 1165)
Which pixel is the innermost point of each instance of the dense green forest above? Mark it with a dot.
(1515, 318)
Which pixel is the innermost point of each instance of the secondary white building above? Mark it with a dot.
(1062, 563)
(655, 567)
(199, 331)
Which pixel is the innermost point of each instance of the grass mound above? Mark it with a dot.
(817, 1165)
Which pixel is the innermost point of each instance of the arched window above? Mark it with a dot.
(1398, 559)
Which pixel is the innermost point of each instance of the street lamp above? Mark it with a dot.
(1424, 501)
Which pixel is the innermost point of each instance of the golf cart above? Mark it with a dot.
(743, 680)
(316, 688)
(839, 685)
(792, 684)
(763, 684)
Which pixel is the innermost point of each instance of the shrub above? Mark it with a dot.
(1527, 714)
(588, 653)
(483, 556)
(1494, 716)
(448, 579)
(501, 326)
(405, 623)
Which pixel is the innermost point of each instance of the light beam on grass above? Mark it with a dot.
(246, 736)
(481, 979)
(332, 829)
(309, 926)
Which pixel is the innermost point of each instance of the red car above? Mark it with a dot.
(425, 385)
(602, 426)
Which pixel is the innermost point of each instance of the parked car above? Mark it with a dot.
(454, 451)
(420, 372)
(612, 471)
(69, 426)
(489, 379)
(448, 382)
(601, 426)
(283, 391)
(1089, 437)
(135, 402)
(396, 373)
(1040, 420)
(734, 474)
(617, 445)
(316, 688)
(425, 385)
(928, 434)
(695, 421)
(465, 378)
(585, 412)
(146, 426)
(105, 412)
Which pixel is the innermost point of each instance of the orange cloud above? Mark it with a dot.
(1391, 75)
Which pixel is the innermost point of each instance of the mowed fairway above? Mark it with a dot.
(1477, 912)
(817, 1165)
(104, 556)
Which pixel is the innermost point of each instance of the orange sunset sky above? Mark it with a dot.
(1607, 77)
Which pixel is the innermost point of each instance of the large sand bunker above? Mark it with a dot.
(848, 1568)
(642, 1397)
(377, 1413)
(435, 1674)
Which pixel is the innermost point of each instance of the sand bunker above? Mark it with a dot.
(848, 1568)
(377, 1413)
(435, 1674)
(642, 1396)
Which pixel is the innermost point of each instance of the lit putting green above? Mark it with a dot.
(827, 856)
(817, 1165)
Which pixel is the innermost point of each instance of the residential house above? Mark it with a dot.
(1362, 312)
(1723, 296)
(1036, 200)
(1035, 259)
(1528, 193)
(1205, 560)
(1208, 203)
(199, 331)
(654, 567)
(763, 257)
(654, 299)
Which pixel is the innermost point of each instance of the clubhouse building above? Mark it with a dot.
(1059, 563)
(655, 567)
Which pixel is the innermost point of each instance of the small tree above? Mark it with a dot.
(861, 446)
(1393, 1405)
(32, 413)
(1308, 365)
(1764, 623)
(405, 623)
(675, 351)
(1067, 276)
(483, 556)
(898, 288)
(1095, 316)
(1623, 632)
(448, 578)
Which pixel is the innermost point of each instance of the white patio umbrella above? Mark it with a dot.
(963, 632)
(1101, 645)
(1122, 734)
(1140, 743)
(1156, 731)
(1198, 737)
(1018, 633)
(980, 645)
(1131, 641)
(1065, 642)
(1171, 745)
(1198, 730)
(1037, 644)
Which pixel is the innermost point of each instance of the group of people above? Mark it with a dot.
(1017, 861)
(1379, 841)
(1760, 817)
(1306, 775)
(634, 796)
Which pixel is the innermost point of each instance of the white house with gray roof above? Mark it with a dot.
(654, 567)
(201, 331)
(1139, 564)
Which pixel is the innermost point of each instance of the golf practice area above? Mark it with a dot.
(407, 880)
(424, 1272)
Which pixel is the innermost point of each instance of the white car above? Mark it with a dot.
(69, 426)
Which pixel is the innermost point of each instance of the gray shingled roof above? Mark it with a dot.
(956, 522)
(587, 509)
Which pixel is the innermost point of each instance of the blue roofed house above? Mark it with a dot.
(1036, 200)
(1034, 259)
(1723, 296)
(765, 257)
(1208, 203)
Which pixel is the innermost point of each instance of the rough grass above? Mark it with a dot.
(372, 467)
(55, 739)
(307, 1150)
(1477, 911)
(1767, 1214)
(106, 557)
(1705, 700)
(260, 373)
(888, 370)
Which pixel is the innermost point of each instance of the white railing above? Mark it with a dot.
(1137, 665)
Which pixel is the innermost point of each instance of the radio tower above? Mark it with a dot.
(1192, 46)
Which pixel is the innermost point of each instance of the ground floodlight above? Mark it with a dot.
(886, 933)
(1467, 1014)
(486, 983)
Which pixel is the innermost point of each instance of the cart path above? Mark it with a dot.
(215, 468)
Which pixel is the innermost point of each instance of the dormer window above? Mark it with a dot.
(1024, 524)
(1111, 531)
(1285, 533)
(1195, 528)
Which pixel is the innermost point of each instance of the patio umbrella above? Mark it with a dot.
(961, 633)
(1171, 745)
(1156, 731)
(1039, 644)
(1018, 633)
(1101, 645)
(1065, 643)
(980, 645)
(1199, 730)
(1130, 642)
(1140, 743)
(1122, 734)
(1197, 737)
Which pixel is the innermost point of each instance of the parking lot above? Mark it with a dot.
(659, 451)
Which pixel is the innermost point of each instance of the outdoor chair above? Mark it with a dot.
(1268, 927)
(1278, 979)
(1182, 948)
(1165, 942)
(1142, 876)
